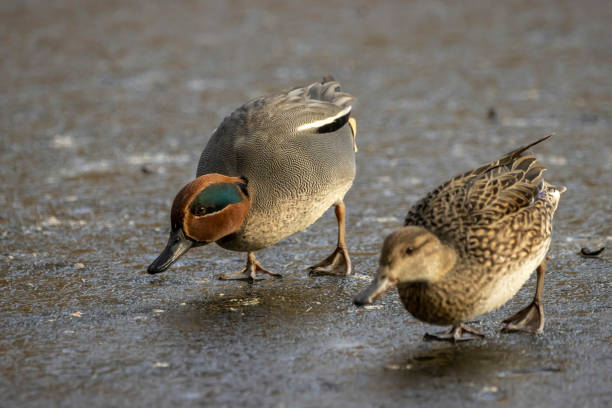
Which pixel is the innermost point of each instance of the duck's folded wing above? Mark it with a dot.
(318, 108)
(502, 190)
(480, 196)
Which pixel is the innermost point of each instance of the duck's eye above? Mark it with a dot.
(408, 250)
(214, 198)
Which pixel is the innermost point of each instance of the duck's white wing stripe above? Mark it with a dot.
(322, 122)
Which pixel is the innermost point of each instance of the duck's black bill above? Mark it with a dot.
(376, 289)
(177, 245)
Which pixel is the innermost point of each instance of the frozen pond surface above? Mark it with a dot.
(104, 109)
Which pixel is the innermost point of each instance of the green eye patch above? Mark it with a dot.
(214, 198)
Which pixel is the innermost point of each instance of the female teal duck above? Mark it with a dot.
(469, 246)
(271, 169)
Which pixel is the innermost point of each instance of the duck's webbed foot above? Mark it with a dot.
(455, 334)
(338, 264)
(252, 271)
(529, 319)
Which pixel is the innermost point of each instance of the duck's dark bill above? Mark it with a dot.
(376, 289)
(177, 245)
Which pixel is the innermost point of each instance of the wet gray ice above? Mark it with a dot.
(104, 109)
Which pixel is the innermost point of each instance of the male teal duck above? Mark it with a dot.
(272, 168)
(469, 246)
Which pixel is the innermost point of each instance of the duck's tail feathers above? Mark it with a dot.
(317, 114)
(510, 157)
(328, 78)
(329, 90)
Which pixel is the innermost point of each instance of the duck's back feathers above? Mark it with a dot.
(282, 118)
(480, 197)
(312, 108)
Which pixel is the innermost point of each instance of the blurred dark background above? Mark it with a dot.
(105, 108)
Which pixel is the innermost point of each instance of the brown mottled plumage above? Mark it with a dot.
(470, 244)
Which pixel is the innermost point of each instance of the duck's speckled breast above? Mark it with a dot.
(266, 227)
(439, 304)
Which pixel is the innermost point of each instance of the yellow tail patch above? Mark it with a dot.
(353, 124)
